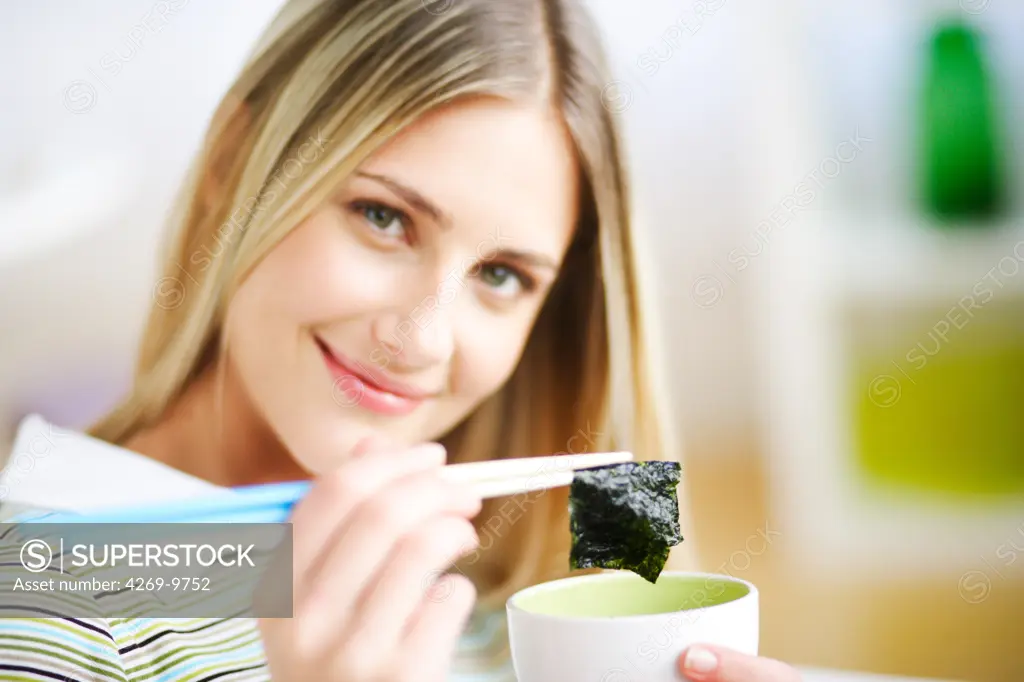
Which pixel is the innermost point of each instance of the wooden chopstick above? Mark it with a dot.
(531, 467)
(500, 487)
(272, 503)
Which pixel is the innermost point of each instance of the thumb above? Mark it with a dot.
(706, 663)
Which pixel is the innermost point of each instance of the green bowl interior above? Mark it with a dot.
(617, 595)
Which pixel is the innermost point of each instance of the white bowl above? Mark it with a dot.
(618, 627)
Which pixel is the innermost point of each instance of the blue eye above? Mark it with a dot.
(383, 220)
(504, 280)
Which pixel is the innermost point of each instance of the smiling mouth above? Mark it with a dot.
(356, 385)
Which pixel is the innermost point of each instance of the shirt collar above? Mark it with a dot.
(59, 469)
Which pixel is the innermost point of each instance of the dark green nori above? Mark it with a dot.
(625, 516)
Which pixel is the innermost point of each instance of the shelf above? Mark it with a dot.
(873, 534)
(857, 526)
(914, 262)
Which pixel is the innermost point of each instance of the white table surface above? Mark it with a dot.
(823, 675)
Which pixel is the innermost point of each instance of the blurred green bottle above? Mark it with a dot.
(962, 171)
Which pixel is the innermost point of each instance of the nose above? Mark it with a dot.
(418, 339)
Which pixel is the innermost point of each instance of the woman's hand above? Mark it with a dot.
(369, 541)
(705, 663)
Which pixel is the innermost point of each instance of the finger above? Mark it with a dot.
(325, 600)
(409, 575)
(331, 499)
(365, 539)
(434, 631)
(706, 663)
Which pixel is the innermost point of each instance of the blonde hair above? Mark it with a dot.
(346, 76)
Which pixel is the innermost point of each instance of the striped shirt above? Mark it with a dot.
(96, 649)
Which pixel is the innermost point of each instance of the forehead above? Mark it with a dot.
(492, 166)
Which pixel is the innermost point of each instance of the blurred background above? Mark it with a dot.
(832, 193)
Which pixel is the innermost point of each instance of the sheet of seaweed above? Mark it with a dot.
(625, 516)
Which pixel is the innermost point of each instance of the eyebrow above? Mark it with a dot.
(527, 257)
(412, 197)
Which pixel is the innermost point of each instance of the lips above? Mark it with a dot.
(358, 385)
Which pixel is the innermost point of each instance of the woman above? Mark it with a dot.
(405, 241)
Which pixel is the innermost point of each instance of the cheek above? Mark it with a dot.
(319, 274)
(488, 354)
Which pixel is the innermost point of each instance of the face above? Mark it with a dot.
(400, 305)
